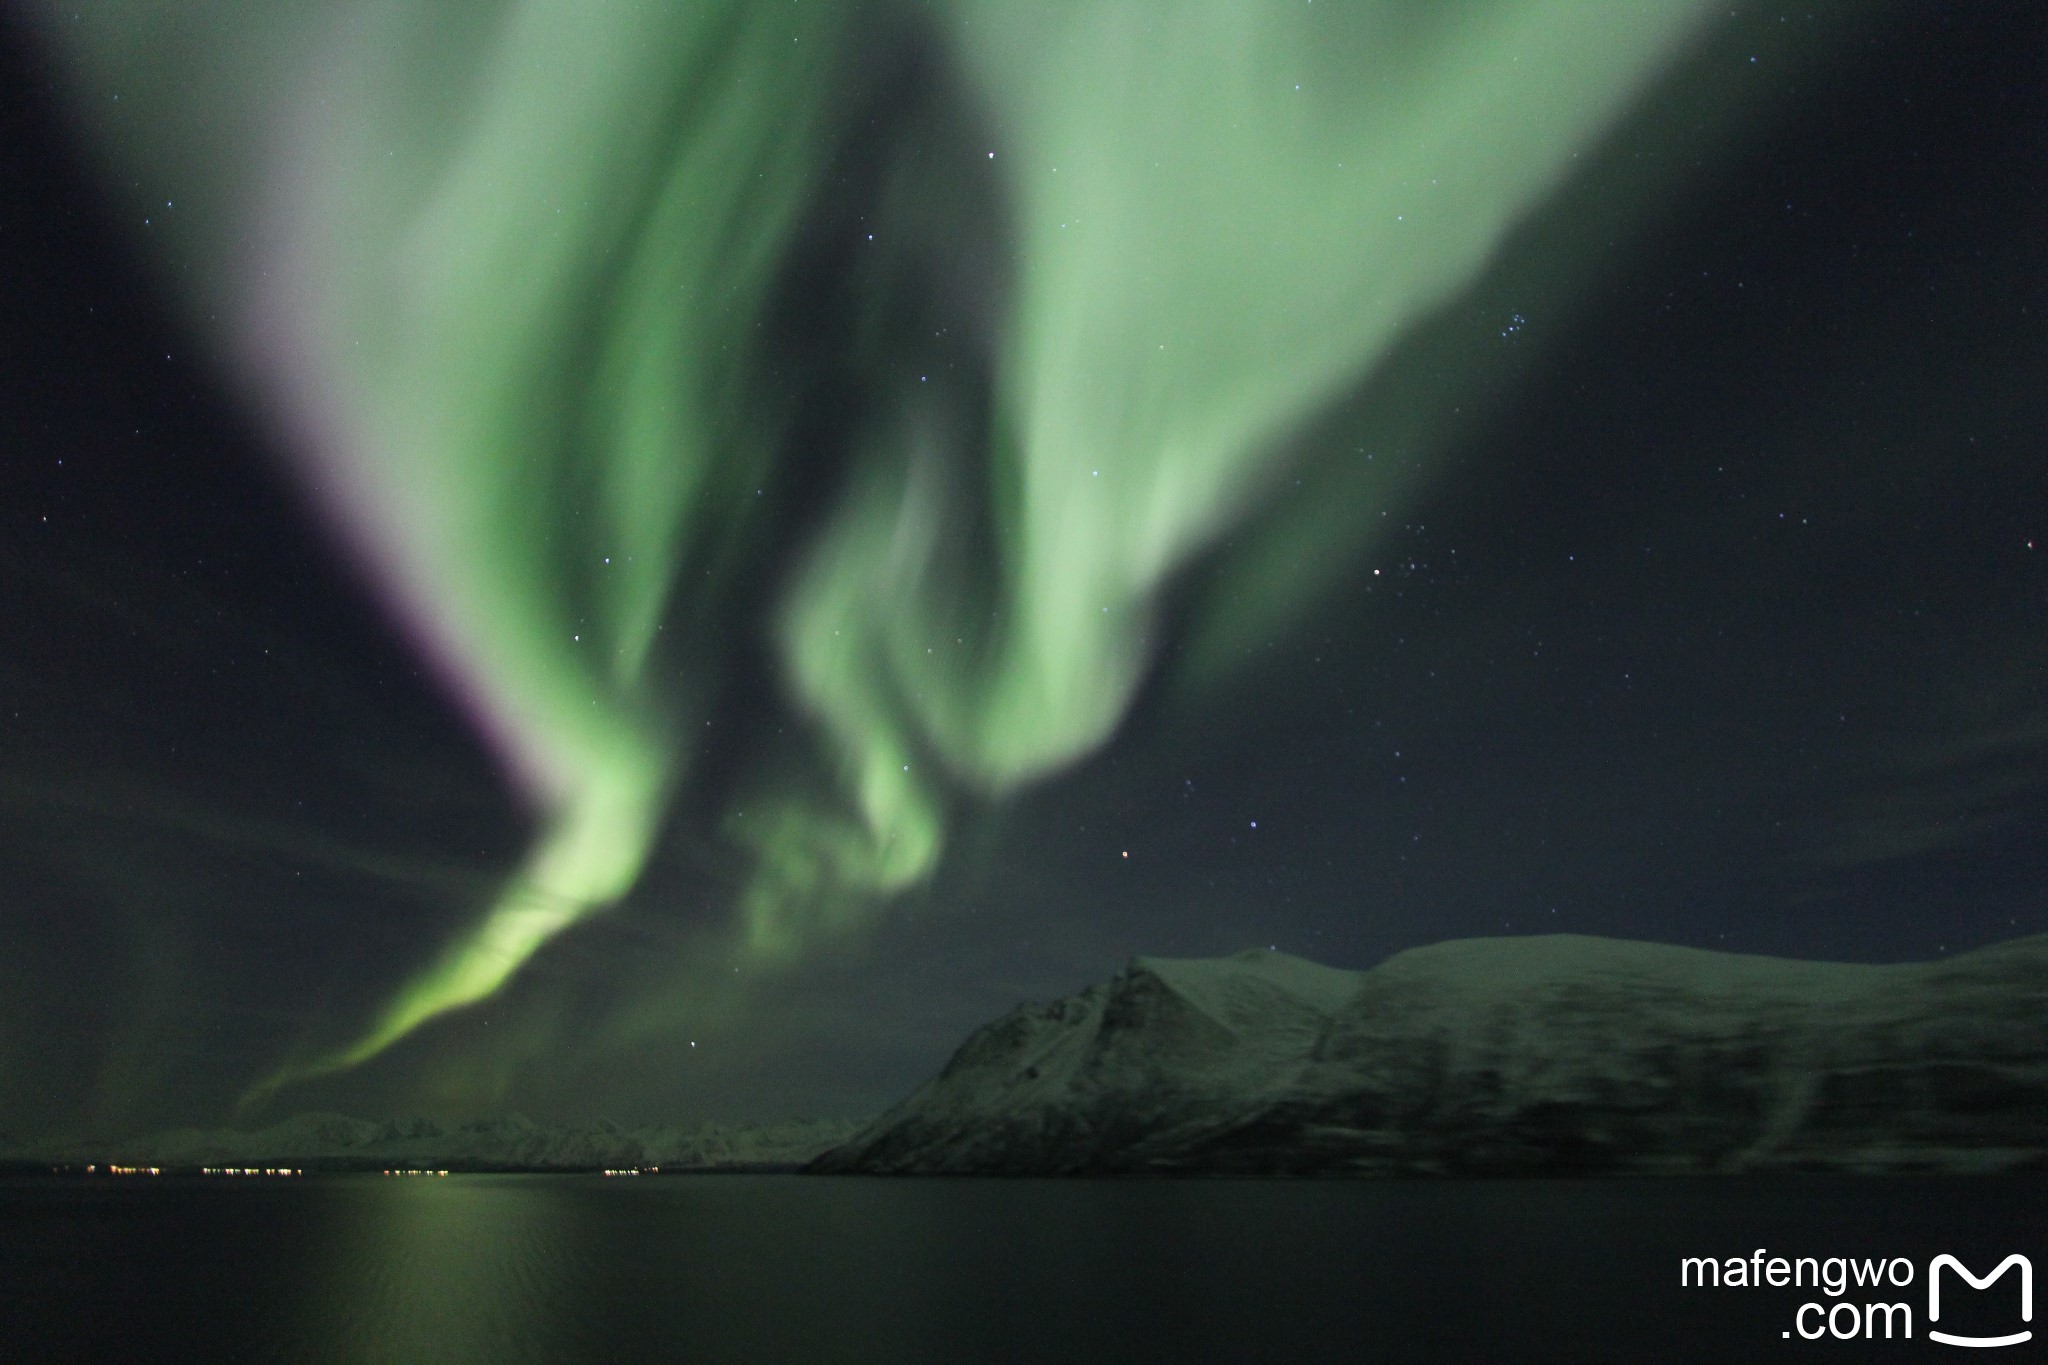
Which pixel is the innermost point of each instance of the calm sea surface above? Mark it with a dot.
(822, 1269)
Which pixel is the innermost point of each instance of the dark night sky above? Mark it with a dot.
(1714, 617)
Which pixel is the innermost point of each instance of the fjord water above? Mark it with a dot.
(823, 1269)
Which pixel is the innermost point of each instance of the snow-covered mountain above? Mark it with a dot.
(1498, 1056)
(335, 1142)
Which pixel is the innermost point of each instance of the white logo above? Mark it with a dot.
(2026, 1298)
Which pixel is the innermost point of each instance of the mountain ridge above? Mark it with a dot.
(1546, 1054)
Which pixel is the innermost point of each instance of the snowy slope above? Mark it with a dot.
(1558, 1053)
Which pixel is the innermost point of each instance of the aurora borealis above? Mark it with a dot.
(837, 466)
(512, 355)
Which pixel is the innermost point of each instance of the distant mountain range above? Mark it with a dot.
(1557, 1054)
(331, 1142)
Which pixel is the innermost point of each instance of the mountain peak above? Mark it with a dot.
(1498, 1055)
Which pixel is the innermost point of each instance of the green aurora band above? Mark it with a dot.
(498, 272)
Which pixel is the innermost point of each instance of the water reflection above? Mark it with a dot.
(819, 1270)
(451, 1269)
